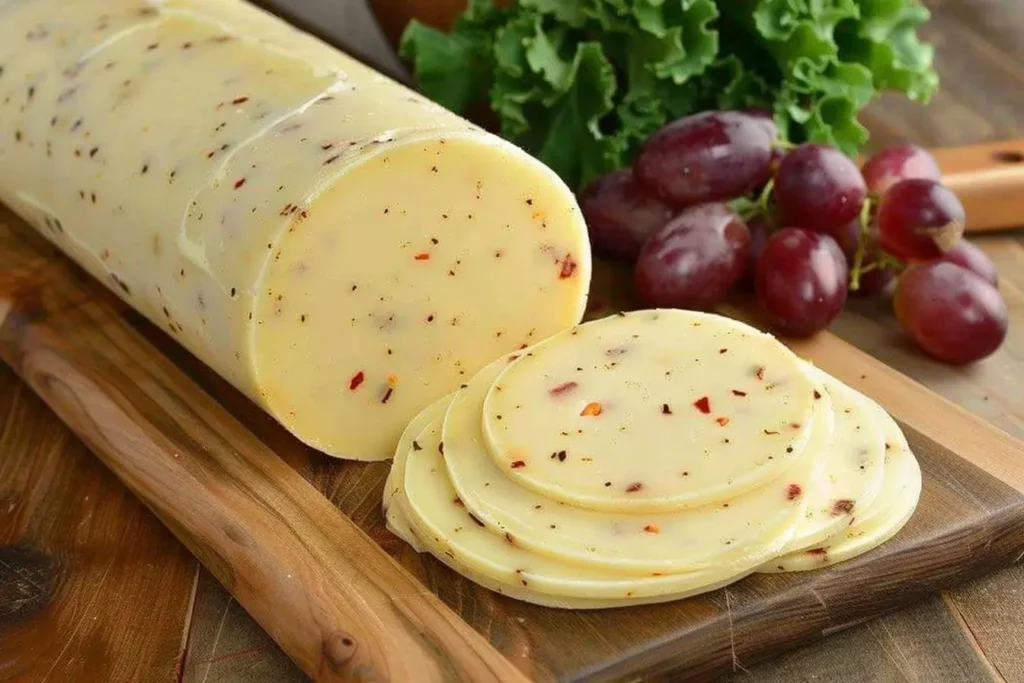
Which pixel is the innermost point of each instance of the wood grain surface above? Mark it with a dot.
(973, 633)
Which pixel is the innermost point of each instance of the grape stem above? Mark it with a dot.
(858, 260)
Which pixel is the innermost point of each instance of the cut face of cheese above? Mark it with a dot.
(452, 534)
(338, 248)
(853, 464)
(730, 532)
(395, 515)
(877, 523)
(650, 411)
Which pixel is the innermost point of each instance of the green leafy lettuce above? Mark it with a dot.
(581, 83)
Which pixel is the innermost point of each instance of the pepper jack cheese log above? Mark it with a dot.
(341, 250)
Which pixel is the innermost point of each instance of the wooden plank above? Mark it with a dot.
(92, 587)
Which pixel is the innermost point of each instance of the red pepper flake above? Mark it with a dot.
(769, 432)
(568, 268)
(423, 256)
(722, 421)
(737, 392)
(686, 474)
(416, 446)
(634, 487)
(666, 409)
(652, 529)
(723, 350)
(592, 409)
(357, 379)
(518, 464)
(794, 425)
(817, 395)
(239, 183)
(760, 372)
(842, 507)
(703, 405)
(816, 551)
(240, 100)
(387, 395)
(793, 492)
(563, 388)
(560, 456)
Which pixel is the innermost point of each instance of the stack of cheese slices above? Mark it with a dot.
(648, 457)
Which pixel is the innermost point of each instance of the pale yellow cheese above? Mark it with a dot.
(869, 528)
(650, 411)
(394, 513)
(451, 532)
(854, 463)
(341, 250)
(730, 532)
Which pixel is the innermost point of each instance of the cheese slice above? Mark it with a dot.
(878, 522)
(731, 532)
(853, 464)
(650, 411)
(450, 532)
(395, 515)
(338, 248)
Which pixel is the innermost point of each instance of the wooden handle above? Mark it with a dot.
(989, 179)
(331, 598)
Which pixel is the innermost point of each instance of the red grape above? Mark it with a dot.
(919, 219)
(819, 188)
(621, 215)
(966, 255)
(801, 281)
(694, 261)
(706, 157)
(899, 162)
(953, 314)
(766, 118)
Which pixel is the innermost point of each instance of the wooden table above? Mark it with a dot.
(92, 587)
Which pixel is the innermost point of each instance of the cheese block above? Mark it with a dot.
(338, 248)
(853, 465)
(394, 515)
(733, 531)
(451, 533)
(650, 411)
(877, 523)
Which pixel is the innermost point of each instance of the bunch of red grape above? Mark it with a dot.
(714, 200)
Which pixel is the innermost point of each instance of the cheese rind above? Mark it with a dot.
(891, 509)
(730, 532)
(650, 411)
(338, 248)
(451, 534)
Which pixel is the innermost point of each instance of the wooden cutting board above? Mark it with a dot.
(348, 601)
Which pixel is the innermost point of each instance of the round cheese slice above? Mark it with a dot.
(853, 464)
(735, 531)
(891, 510)
(394, 515)
(457, 538)
(655, 410)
